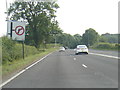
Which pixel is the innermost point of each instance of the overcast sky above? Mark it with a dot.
(75, 16)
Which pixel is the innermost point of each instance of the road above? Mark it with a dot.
(67, 70)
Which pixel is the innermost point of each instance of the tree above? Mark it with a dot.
(111, 38)
(103, 39)
(90, 37)
(39, 16)
(55, 32)
(77, 38)
(67, 40)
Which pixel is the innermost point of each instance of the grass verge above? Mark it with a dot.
(16, 65)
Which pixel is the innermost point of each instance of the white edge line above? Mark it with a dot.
(105, 55)
(84, 65)
(22, 71)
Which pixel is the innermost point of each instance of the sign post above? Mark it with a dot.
(23, 49)
(16, 30)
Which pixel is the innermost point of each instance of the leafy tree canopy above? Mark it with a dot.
(90, 37)
(39, 16)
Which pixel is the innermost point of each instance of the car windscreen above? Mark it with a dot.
(61, 47)
(81, 47)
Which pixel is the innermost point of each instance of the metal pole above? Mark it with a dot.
(11, 29)
(7, 11)
(23, 49)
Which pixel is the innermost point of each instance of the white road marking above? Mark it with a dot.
(84, 65)
(105, 55)
(74, 58)
(4, 83)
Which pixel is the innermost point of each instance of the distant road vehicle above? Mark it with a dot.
(62, 49)
(66, 47)
(81, 49)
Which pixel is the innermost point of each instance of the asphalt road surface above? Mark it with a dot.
(67, 70)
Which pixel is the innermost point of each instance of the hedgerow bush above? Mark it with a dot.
(7, 49)
(52, 45)
(12, 50)
(30, 50)
(117, 46)
(106, 46)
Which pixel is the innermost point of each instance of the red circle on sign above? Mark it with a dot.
(19, 29)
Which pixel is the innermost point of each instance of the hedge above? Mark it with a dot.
(106, 46)
(12, 50)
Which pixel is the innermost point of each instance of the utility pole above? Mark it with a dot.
(7, 18)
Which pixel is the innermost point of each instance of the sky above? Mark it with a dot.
(76, 16)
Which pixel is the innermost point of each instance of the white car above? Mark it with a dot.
(62, 49)
(81, 49)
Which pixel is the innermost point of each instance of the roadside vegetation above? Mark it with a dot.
(92, 39)
(106, 46)
(108, 42)
(41, 27)
(19, 64)
(12, 59)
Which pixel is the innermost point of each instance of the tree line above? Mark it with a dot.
(89, 38)
(40, 17)
(43, 28)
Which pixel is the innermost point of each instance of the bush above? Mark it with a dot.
(30, 50)
(11, 50)
(117, 46)
(52, 45)
(7, 49)
(106, 46)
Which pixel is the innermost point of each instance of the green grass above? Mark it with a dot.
(11, 67)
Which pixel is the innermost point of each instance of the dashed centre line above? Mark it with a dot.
(74, 58)
(84, 65)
